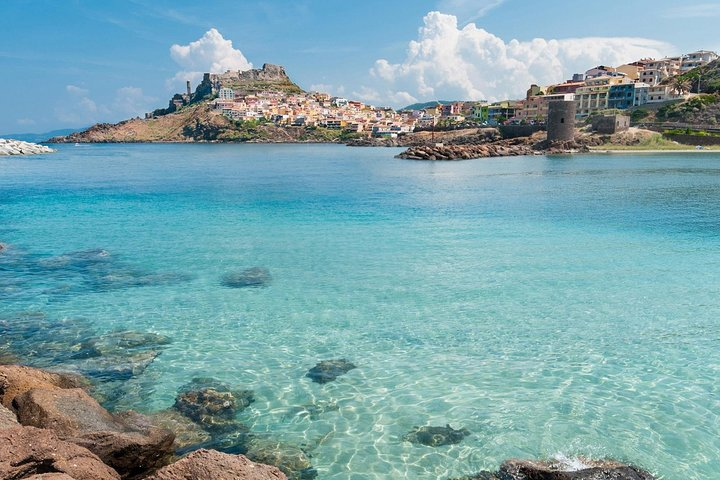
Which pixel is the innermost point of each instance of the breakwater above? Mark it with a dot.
(17, 147)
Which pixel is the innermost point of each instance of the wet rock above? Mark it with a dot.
(187, 433)
(436, 436)
(118, 342)
(35, 451)
(577, 469)
(291, 459)
(210, 464)
(251, 277)
(7, 418)
(16, 380)
(212, 404)
(329, 370)
(128, 442)
(115, 367)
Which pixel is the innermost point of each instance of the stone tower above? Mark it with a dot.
(561, 121)
(189, 92)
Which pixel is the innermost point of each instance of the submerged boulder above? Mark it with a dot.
(187, 432)
(212, 404)
(210, 464)
(251, 277)
(29, 452)
(291, 459)
(118, 342)
(328, 370)
(577, 469)
(128, 442)
(436, 436)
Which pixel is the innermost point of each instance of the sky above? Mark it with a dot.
(73, 63)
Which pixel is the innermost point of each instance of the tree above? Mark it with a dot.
(680, 85)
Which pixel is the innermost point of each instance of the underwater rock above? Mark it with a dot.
(292, 460)
(3, 246)
(127, 442)
(38, 451)
(251, 277)
(187, 433)
(210, 464)
(577, 469)
(212, 404)
(118, 342)
(436, 436)
(329, 370)
(16, 380)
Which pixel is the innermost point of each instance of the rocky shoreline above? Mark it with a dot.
(535, 145)
(50, 427)
(17, 147)
(67, 417)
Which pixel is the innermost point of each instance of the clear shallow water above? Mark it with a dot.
(547, 304)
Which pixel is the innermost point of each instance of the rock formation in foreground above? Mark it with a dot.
(17, 147)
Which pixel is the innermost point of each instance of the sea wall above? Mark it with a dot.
(705, 141)
(515, 131)
(16, 147)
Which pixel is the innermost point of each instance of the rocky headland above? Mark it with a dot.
(18, 147)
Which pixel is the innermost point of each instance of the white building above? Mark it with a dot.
(697, 59)
(226, 94)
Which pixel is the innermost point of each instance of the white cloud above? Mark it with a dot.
(25, 121)
(472, 63)
(328, 88)
(468, 10)
(210, 53)
(131, 101)
(367, 94)
(79, 108)
(75, 90)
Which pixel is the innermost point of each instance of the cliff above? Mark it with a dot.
(269, 77)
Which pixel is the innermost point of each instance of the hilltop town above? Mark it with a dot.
(264, 105)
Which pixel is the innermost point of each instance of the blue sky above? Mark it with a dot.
(71, 63)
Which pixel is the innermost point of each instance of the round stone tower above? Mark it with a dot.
(561, 120)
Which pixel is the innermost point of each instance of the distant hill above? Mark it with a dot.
(422, 106)
(198, 121)
(40, 137)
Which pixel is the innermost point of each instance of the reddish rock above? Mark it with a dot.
(15, 380)
(127, 442)
(32, 452)
(580, 469)
(210, 464)
(7, 419)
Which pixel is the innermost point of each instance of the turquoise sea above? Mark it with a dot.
(564, 305)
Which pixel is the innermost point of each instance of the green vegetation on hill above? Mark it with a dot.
(424, 105)
(706, 77)
(698, 110)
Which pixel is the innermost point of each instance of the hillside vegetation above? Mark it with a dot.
(200, 123)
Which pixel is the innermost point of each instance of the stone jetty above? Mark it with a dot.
(534, 145)
(17, 147)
